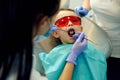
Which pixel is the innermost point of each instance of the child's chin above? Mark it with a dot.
(72, 41)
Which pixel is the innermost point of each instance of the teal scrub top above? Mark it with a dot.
(91, 64)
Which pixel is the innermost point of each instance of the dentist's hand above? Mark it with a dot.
(80, 11)
(53, 28)
(78, 47)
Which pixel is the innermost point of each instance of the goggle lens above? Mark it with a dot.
(62, 22)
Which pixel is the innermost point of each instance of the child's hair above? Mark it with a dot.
(65, 9)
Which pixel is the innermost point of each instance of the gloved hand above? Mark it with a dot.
(53, 28)
(75, 36)
(80, 11)
(78, 47)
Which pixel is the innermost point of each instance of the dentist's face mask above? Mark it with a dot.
(62, 22)
(47, 33)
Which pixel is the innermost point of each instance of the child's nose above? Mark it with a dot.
(70, 24)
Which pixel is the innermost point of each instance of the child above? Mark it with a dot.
(90, 63)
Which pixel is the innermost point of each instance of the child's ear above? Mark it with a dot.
(55, 34)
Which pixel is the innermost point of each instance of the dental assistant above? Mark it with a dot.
(20, 21)
(107, 16)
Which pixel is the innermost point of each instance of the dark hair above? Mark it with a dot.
(17, 18)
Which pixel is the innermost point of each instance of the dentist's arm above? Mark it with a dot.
(86, 4)
(78, 47)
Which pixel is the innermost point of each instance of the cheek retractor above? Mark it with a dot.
(71, 32)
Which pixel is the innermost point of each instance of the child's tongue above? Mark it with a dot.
(71, 32)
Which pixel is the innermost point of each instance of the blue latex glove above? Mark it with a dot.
(80, 11)
(79, 46)
(75, 36)
(53, 28)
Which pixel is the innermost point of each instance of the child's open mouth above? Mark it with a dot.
(71, 32)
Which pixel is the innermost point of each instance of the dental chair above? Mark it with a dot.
(97, 36)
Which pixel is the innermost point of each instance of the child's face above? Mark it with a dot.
(64, 35)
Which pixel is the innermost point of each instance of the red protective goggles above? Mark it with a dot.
(62, 22)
